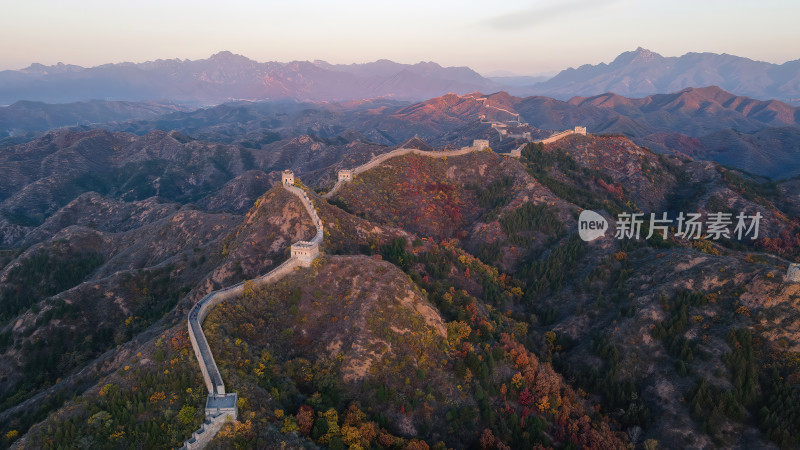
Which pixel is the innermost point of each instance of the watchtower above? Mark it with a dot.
(345, 175)
(305, 251)
(580, 130)
(287, 177)
(480, 144)
(222, 404)
(793, 274)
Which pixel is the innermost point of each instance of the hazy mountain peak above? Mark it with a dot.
(41, 69)
(223, 54)
(638, 56)
(427, 64)
(226, 56)
(642, 72)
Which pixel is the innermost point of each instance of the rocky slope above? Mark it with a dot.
(45, 177)
(89, 299)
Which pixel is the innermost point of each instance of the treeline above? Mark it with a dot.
(763, 193)
(152, 407)
(57, 350)
(671, 330)
(622, 399)
(494, 196)
(709, 405)
(529, 218)
(41, 275)
(153, 293)
(779, 417)
(475, 366)
(437, 265)
(765, 395)
(549, 274)
(581, 180)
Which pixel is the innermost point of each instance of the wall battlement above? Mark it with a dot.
(203, 435)
(563, 134)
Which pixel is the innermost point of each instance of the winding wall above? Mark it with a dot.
(218, 404)
(399, 152)
(222, 406)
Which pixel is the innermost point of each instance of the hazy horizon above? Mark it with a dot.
(486, 73)
(521, 37)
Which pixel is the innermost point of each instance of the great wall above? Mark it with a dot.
(517, 152)
(221, 406)
(346, 175)
(501, 127)
(483, 103)
(563, 134)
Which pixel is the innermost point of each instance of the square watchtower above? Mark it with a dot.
(287, 177)
(345, 175)
(305, 251)
(480, 144)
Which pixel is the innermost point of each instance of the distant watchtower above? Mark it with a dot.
(480, 144)
(793, 274)
(287, 177)
(345, 175)
(580, 130)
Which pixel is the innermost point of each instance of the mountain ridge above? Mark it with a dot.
(225, 76)
(642, 72)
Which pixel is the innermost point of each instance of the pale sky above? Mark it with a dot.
(524, 37)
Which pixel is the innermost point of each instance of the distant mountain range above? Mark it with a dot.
(642, 72)
(761, 137)
(25, 116)
(225, 77)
